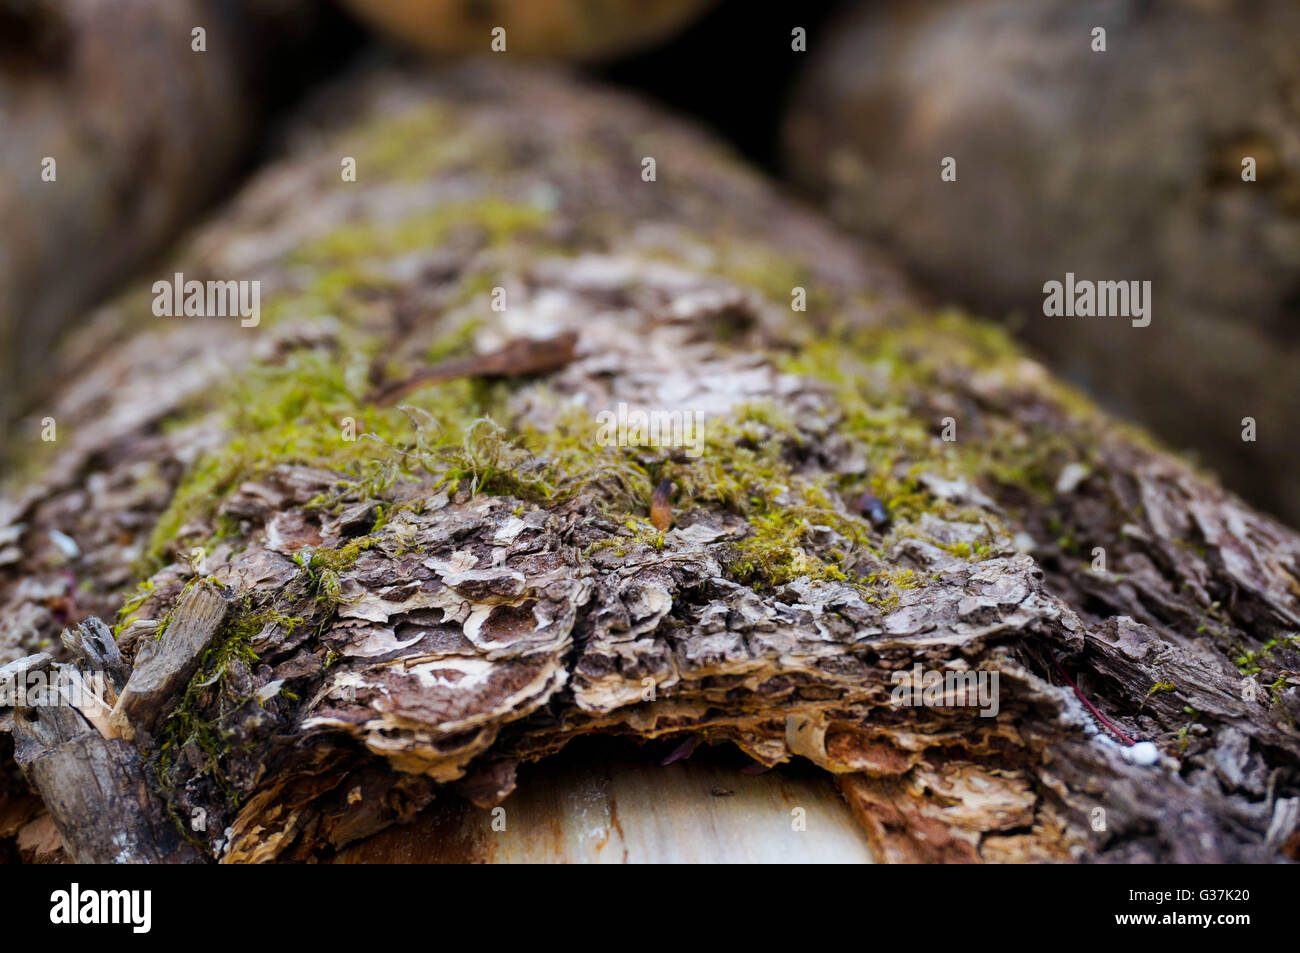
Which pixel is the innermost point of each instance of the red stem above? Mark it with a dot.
(1092, 708)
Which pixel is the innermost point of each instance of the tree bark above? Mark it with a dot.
(879, 495)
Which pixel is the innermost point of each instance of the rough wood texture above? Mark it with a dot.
(163, 667)
(476, 580)
(96, 790)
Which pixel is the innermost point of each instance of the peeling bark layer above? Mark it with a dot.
(480, 576)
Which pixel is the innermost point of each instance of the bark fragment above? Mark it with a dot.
(517, 359)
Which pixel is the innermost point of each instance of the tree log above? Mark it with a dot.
(1118, 164)
(560, 29)
(119, 125)
(852, 500)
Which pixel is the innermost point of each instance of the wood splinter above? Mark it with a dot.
(163, 667)
(95, 788)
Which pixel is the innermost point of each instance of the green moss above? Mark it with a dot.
(126, 614)
(458, 343)
(1185, 732)
(775, 276)
(639, 533)
(312, 410)
(323, 567)
(1252, 661)
(975, 551)
(208, 699)
(407, 147)
(295, 411)
(457, 435)
(419, 143)
(891, 384)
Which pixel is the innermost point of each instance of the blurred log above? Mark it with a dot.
(428, 598)
(558, 29)
(143, 131)
(1117, 165)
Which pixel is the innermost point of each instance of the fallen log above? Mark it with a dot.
(906, 554)
(122, 121)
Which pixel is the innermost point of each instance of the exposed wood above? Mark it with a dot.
(99, 798)
(38, 842)
(163, 667)
(617, 810)
(93, 643)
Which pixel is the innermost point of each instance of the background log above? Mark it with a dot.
(144, 131)
(555, 29)
(1123, 164)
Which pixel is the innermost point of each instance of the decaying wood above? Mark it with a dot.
(448, 606)
(96, 790)
(94, 643)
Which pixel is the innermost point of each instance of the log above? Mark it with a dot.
(1117, 164)
(99, 798)
(554, 29)
(1009, 626)
(120, 126)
